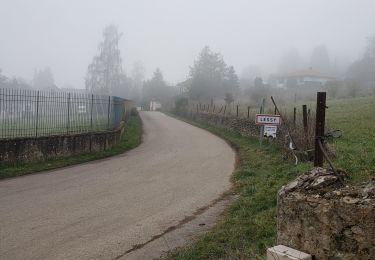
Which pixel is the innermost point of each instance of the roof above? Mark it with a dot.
(309, 73)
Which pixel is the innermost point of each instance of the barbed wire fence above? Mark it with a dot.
(31, 113)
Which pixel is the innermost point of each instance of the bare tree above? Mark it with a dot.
(104, 74)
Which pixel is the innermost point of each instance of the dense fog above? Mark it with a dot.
(53, 45)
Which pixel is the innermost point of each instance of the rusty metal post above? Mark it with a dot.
(68, 121)
(109, 111)
(248, 111)
(319, 127)
(37, 114)
(91, 110)
(294, 116)
(237, 111)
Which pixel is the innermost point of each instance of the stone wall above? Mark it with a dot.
(43, 148)
(319, 215)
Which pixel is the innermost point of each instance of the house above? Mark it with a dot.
(155, 105)
(302, 78)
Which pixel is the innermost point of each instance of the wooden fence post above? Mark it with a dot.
(305, 126)
(319, 127)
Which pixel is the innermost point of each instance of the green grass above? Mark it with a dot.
(249, 225)
(131, 138)
(356, 148)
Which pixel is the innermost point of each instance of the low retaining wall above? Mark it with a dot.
(318, 215)
(50, 147)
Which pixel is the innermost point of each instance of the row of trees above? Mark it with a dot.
(209, 77)
(42, 80)
(105, 74)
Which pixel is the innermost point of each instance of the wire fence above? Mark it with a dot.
(30, 113)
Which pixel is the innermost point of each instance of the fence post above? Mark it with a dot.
(248, 111)
(237, 111)
(197, 108)
(305, 126)
(294, 116)
(213, 110)
(319, 127)
(225, 108)
(261, 133)
(68, 122)
(109, 107)
(37, 114)
(92, 105)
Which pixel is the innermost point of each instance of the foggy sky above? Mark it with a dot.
(64, 34)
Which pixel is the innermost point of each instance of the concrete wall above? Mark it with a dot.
(318, 215)
(43, 148)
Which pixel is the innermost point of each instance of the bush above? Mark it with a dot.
(134, 111)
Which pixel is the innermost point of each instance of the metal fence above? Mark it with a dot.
(29, 113)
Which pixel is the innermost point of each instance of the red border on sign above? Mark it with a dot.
(257, 123)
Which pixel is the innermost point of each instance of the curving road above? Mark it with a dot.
(103, 209)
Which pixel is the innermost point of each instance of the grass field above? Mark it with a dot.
(248, 226)
(131, 138)
(355, 150)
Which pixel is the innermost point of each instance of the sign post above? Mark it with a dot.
(268, 125)
(262, 128)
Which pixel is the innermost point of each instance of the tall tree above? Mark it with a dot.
(320, 59)
(290, 61)
(3, 79)
(248, 75)
(104, 74)
(138, 77)
(363, 70)
(43, 79)
(210, 76)
(157, 89)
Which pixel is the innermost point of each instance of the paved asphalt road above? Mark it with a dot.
(102, 209)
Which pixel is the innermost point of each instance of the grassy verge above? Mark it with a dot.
(249, 225)
(131, 138)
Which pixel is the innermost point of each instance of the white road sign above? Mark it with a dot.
(265, 119)
(270, 131)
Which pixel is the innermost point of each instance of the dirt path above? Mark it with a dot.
(106, 209)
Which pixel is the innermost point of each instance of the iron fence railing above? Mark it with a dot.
(30, 113)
